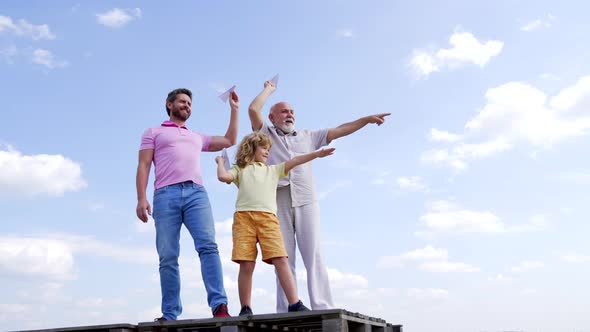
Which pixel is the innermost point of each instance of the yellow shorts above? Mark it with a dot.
(250, 227)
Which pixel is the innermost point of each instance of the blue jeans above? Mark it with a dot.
(186, 203)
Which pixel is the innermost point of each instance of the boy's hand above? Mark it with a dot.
(219, 159)
(325, 152)
(234, 101)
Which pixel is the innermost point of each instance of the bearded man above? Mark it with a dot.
(180, 198)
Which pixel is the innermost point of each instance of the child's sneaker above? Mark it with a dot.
(221, 311)
(298, 307)
(246, 311)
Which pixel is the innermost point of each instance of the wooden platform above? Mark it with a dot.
(336, 320)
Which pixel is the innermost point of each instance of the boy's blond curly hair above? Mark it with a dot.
(247, 148)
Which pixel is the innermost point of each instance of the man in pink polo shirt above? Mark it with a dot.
(180, 198)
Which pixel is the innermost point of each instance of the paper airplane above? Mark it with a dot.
(225, 159)
(275, 80)
(225, 96)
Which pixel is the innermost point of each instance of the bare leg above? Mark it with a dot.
(286, 279)
(245, 282)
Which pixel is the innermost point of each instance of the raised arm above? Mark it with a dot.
(350, 127)
(255, 108)
(222, 174)
(302, 159)
(231, 136)
(141, 180)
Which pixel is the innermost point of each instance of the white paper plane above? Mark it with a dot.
(275, 80)
(225, 96)
(225, 159)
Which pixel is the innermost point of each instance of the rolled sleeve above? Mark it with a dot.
(319, 138)
(206, 142)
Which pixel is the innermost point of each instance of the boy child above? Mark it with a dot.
(255, 218)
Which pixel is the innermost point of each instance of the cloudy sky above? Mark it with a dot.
(466, 211)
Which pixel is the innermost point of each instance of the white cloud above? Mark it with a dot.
(413, 183)
(576, 258)
(117, 18)
(446, 267)
(427, 253)
(46, 58)
(427, 293)
(96, 206)
(429, 259)
(443, 136)
(538, 24)
(345, 33)
(8, 53)
(550, 77)
(334, 188)
(536, 223)
(516, 113)
(457, 156)
(224, 227)
(527, 266)
(24, 28)
(529, 291)
(500, 278)
(89, 245)
(12, 308)
(445, 216)
(341, 280)
(466, 49)
(35, 174)
(98, 302)
(36, 257)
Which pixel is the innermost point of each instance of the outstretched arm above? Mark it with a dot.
(302, 159)
(143, 171)
(231, 136)
(222, 174)
(255, 108)
(350, 127)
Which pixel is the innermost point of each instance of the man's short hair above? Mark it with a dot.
(172, 96)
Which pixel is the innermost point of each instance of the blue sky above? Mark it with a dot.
(466, 211)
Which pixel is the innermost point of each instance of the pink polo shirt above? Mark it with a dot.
(177, 153)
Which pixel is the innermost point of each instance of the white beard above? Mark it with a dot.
(287, 128)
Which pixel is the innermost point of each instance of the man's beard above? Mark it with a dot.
(287, 128)
(181, 116)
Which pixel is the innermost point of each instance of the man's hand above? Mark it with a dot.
(234, 101)
(379, 119)
(325, 152)
(143, 210)
(269, 86)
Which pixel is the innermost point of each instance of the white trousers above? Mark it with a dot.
(301, 226)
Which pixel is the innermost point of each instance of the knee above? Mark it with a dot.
(247, 267)
(168, 260)
(280, 262)
(207, 248)
(168, 254)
